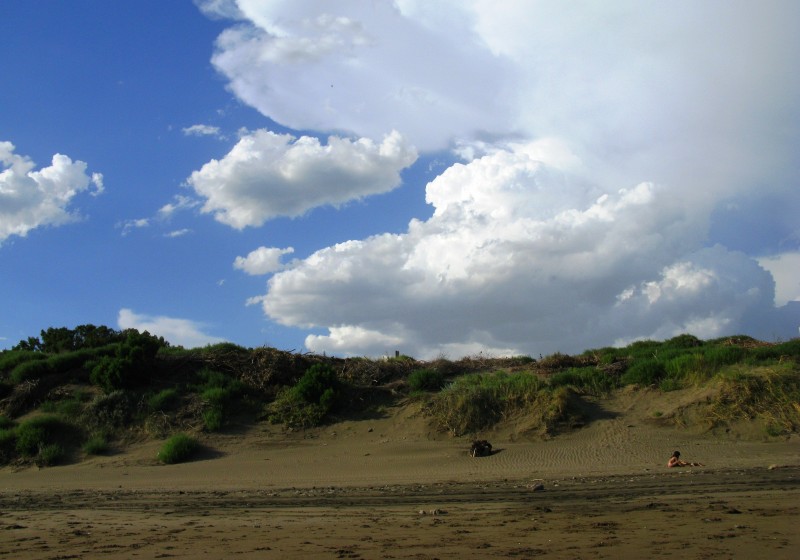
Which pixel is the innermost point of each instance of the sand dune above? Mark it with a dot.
(390, 487)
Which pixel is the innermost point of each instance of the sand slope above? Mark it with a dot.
(390, 487)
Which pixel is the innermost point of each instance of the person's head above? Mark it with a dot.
(676, 454)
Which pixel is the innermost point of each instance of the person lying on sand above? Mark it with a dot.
(675, 461)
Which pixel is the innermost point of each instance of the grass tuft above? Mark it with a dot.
(178, 449)
(769, 394)
(476, 402)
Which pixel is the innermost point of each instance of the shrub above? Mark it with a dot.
(670, 384)
(476, 402)
(213, 419)
(684, 365)
(644, 372)
(178, 449)
(521, 360)
(425, 380)
(586, 380)
(683, 341)
(8, 439)
(10, 359)
(774, 353)
(224, 348)
(604, 356)
(789, 349)
(71, 406)
(289, 409)
(765, 394)
(34, 369)
(50, 454)
(212, 378)
(318, 383)
(37, 433)
(718, 356)
(559, 361)
(309, 401)
(163, 400)
(113, 410)
(219, 392)
(8, 444)
(130, 366)
(97, 444)
(65, 362)
(642, 349)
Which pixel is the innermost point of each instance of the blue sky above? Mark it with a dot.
(439, 178)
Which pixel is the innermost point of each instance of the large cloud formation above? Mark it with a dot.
(365, 68)
(30, 199)
(600, 143)
(521, 256)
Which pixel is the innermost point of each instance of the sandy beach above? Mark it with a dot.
(389, 487)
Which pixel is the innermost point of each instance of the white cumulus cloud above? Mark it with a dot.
(31, 198)
(179, 332)
(264, 260)
(202, 130)
(267, 175)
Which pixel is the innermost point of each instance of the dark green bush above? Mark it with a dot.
(217, 396)
(113, 373)
(34, 434)
(8, 444)
(224, 348)
(63, 363)
(559, 361)
(310, 400)
(425, 380)
(163, 400)
(178, 449)
(789, 349)
(475, 402)
(585, 380)
(221, 393)
(318, 382)
(50, 454)
(8, 439)
(9, 359)
(97, 444)
(670, 384)
(30, 370)
(114, 410)
(644, 372)
(684, 365)
(214, 419)
(718, 356)
(683, 341)
(606, 355)
(212, 378)
(69, 407)
(131, 365)
(289, 409)
(642, 348)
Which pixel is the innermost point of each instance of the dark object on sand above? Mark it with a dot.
(480, 448)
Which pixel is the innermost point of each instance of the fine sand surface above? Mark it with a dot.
(390, 487)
